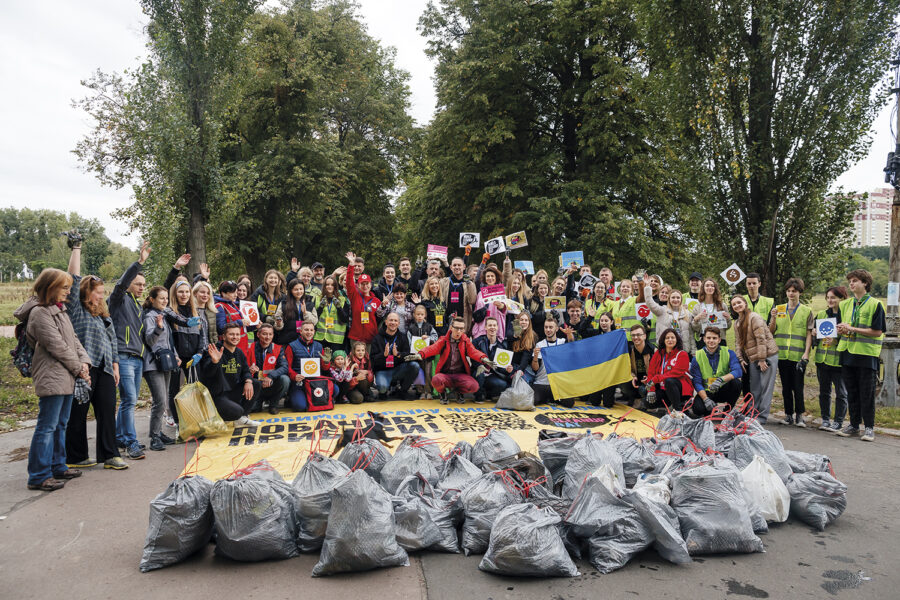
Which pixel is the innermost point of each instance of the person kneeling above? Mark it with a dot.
(390, 348)
(491, 382)
(668, 375)
(716, 374)
(541, 386)
(269, 366)
(298, 354)
(225, 373)
(453, 372)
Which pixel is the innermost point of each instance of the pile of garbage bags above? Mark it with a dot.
(701, 486)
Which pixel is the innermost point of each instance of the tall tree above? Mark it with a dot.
(158, 128)
(776, 100)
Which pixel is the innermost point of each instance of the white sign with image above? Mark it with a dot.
(826, 328)
(469, 239)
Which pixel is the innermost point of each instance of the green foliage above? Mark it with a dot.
(875, 252)
(775, 99)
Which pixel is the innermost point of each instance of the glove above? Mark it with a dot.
(801, 365)
(418, 261)
(488, 363)
(195, 359)
(651, 398)
(468, 249)
(715, 385)
(410, 357)
(710, 405)
(485, 258)
(193, 321)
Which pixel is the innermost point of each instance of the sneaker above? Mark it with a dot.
(836, 426)
(460, 399)
(85, 464)
(868, 435)
(156, 444)
(116, 463)
(567, 402)
(134, 451)
(273, 408)
(826, 425)
(787, 420)
(445, 397)
(800, 421)
(848, 431)
(246, 421)
(479, 398)
(169, 421)
(166, 439)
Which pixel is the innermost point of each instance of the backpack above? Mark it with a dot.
(23, 353)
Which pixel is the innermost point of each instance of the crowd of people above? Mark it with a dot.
(423, 330)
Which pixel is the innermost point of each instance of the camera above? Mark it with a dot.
(74, 238)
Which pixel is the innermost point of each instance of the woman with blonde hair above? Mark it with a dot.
(710, 310)
(434, 302)
(270, 292)
(189, 342)
(206, 308)
(672, 315)
(756, 349)
(523, 346)
(59, 358)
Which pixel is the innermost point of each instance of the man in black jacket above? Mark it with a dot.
(641, 352)
(389, 349)
(225, 373)
(269, 366)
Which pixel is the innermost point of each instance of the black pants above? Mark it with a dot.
(791, 387)
(631, 393)
(829, 377)
(745, 382)
(359, 393)
(231, 404)
(860, 384)
(103, 399)
(542, 393)
(671, 388)
(174, 387)
(727, 394)
(606, 396)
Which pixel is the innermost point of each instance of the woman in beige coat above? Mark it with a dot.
(756, 349)
(673, 315)
(59, 359)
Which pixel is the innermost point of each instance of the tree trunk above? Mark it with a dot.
(196, 233)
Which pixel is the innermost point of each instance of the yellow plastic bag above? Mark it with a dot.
(197, 415)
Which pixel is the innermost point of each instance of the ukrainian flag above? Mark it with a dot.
(588, 365)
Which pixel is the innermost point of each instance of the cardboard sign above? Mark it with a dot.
(826, 328)
(419, 343)
(555, 303)
(513, 307)
(733, 274)
(587, 281)
(503, 358)
(516, 240)
(469, 239)
(690, 303)
(526, 266)
(567, 258)
(642, 310)
(309, 367)
(715, 319)
(249, 313)
(492, 292)
(495, 245)
(436, 252)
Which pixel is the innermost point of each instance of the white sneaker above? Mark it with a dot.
(247, 422)
(799, 421)
(170, 422)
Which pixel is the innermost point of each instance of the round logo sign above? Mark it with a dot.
(732, 275)
(318, 392)
(826, 328)
(309, 367)
(419, 344)
(502, 359)
(691, 303)
(643, 311)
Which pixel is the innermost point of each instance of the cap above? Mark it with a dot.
(695, 275)
(317, 265)
(339, 353)
(365, 277)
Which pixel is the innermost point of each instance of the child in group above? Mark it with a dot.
(397, 304)
(362, 385)
(342, 371)
(420, 327)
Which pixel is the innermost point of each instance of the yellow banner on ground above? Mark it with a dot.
(285, 440)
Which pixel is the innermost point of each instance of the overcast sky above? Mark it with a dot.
(49, 46)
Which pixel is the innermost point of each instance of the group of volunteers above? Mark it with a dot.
(423, 330)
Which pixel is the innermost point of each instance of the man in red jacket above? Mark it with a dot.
(363, 304)
(453, 371)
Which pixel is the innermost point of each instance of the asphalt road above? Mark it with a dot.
(85, 541)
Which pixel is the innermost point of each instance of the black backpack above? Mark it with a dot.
(23, 353)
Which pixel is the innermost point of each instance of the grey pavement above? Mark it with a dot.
(85, 541)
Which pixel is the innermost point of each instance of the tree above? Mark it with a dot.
(775, 99)
(158, 128)
(34, 237)
(543, 125)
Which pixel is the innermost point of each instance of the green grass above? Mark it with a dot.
(12, 295)
(17, 399)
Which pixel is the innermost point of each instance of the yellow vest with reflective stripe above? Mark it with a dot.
(827, 349)
(763, 307)
(626, 316)
(790, 333)
(860, 344)
(722, 369)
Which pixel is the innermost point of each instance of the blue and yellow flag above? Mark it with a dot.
(588, 365)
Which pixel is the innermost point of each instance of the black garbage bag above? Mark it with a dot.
(181, 523)
(434, 527)
(817, 499)
(712, 511)
(525, 541)
(493, 446)
(312, 494)
(766, 444)
(366, 454)
(255, 514)
(481, 501)
(637, 458)
(462, 448)
(430, 447)
(528, 466)
(804, 462)
(554, 452)
(458, 471)
(663, 523)
(670, 423)
(612, 526)
(701, 432)
(408, 460)
(361, 532)
(588, 454)
(724, 439)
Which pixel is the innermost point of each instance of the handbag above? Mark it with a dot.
(165, 359)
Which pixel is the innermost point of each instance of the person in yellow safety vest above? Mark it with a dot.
(624, 312)
(862, 329)
(598, 303)
(828, 365)
(792, 325)
(716, 375)
(710, 311)
(761, 305)
(333, 311)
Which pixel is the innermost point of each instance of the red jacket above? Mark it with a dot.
(364, 365)
(665, 366)
(359, 330)
(442, 346)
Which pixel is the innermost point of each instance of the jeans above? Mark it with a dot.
(491, 385)
(828, 376)
(47, 456)
(158, 382)
(405, 374)
(130, 370)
